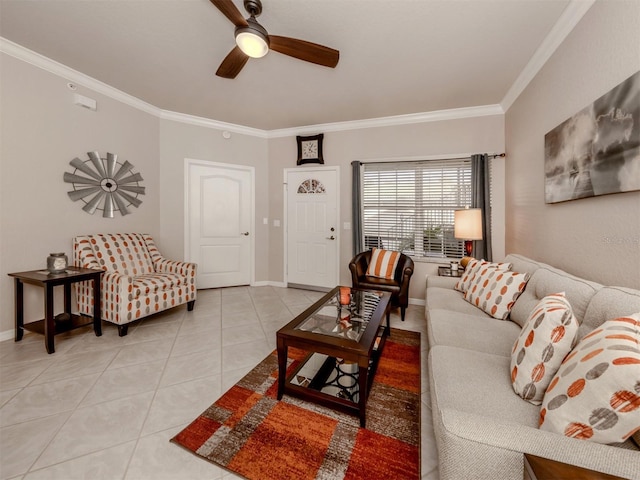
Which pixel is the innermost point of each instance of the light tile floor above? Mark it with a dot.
(105, 407)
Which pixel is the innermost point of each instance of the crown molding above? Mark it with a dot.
(49, 65)
(74, 76)
(209, 123)
(563, 27)
(435, 116)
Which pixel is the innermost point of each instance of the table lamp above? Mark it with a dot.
(468, 227)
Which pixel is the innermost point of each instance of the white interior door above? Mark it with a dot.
(220, 220)
(312, 226)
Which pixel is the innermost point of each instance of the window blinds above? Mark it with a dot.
(408, 206)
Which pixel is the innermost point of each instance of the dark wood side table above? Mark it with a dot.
(50, 326)
(538, 468)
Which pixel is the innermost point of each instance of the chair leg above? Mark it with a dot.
(190, 305)
(122, 330)
(402, 309)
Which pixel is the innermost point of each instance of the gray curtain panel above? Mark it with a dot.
(480, 198)
(356, 207)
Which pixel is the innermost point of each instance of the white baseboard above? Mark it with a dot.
(7, 335)
(268, 283)
(417, 301)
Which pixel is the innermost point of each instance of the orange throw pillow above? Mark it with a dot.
(383, 263)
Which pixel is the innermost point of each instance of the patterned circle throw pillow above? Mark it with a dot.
(546, 337)
(596, 393)
(477, 267)
(467, 275)
(495, 291)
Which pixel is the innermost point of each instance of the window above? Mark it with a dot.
(408, 206)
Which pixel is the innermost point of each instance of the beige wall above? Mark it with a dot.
(179, 141)
(463, 136)
(599, 237)
(41, 132)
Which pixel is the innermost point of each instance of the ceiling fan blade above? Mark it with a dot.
(232, 64)
(303, 50)
(230, 11)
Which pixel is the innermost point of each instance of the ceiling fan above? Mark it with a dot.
(252, 40)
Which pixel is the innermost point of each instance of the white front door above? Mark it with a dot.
(312, 226)
(220, 221)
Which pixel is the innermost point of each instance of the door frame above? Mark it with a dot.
(188, 162)
(286, 171)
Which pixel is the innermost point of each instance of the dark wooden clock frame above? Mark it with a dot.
(318, 138)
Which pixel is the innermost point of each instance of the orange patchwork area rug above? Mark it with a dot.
(249, 432)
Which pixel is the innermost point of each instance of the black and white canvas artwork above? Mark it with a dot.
(597, 150)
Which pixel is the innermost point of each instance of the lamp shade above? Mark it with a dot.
(468, 224)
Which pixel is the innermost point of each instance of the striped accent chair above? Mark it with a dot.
(362, 268)
(138, 281)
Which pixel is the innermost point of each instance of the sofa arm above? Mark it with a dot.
(83, 254)
(491, 447)
(186, 270)
(115, 294)
(441, 282)
(163, 265)
(406, 278)
(358, 266)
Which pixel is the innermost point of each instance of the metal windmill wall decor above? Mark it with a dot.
(109, 185)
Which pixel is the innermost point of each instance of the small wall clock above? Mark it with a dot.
(108, 185)
(310, 149)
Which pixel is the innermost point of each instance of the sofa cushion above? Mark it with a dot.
(546, 338)
(383, 263)
(471, 332)
(607, 303)
(449, 299)
(478, 382)
(156, 282)
(520, 263)
(547, 280)
(596, 393)
(495, 291)
(125, 253)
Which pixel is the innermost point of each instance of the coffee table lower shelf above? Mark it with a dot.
(312, 387)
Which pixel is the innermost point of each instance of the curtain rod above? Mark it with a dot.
(490, 155)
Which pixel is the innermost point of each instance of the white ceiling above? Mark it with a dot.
(396, 56)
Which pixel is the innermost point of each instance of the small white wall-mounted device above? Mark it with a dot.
(85, 102)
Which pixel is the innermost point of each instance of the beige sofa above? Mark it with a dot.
(482, 427)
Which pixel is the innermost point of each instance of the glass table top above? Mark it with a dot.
(346, 319)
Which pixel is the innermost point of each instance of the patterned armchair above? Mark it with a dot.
(138, 281)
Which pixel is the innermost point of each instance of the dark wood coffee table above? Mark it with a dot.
(344, 344)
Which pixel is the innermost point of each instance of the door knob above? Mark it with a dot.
(246, 234)
(331, 238)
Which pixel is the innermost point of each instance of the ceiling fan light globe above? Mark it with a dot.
(252, 44)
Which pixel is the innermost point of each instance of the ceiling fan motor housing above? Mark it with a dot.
(254, 7)
(255, 28)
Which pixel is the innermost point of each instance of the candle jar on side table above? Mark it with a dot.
(448, 272)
